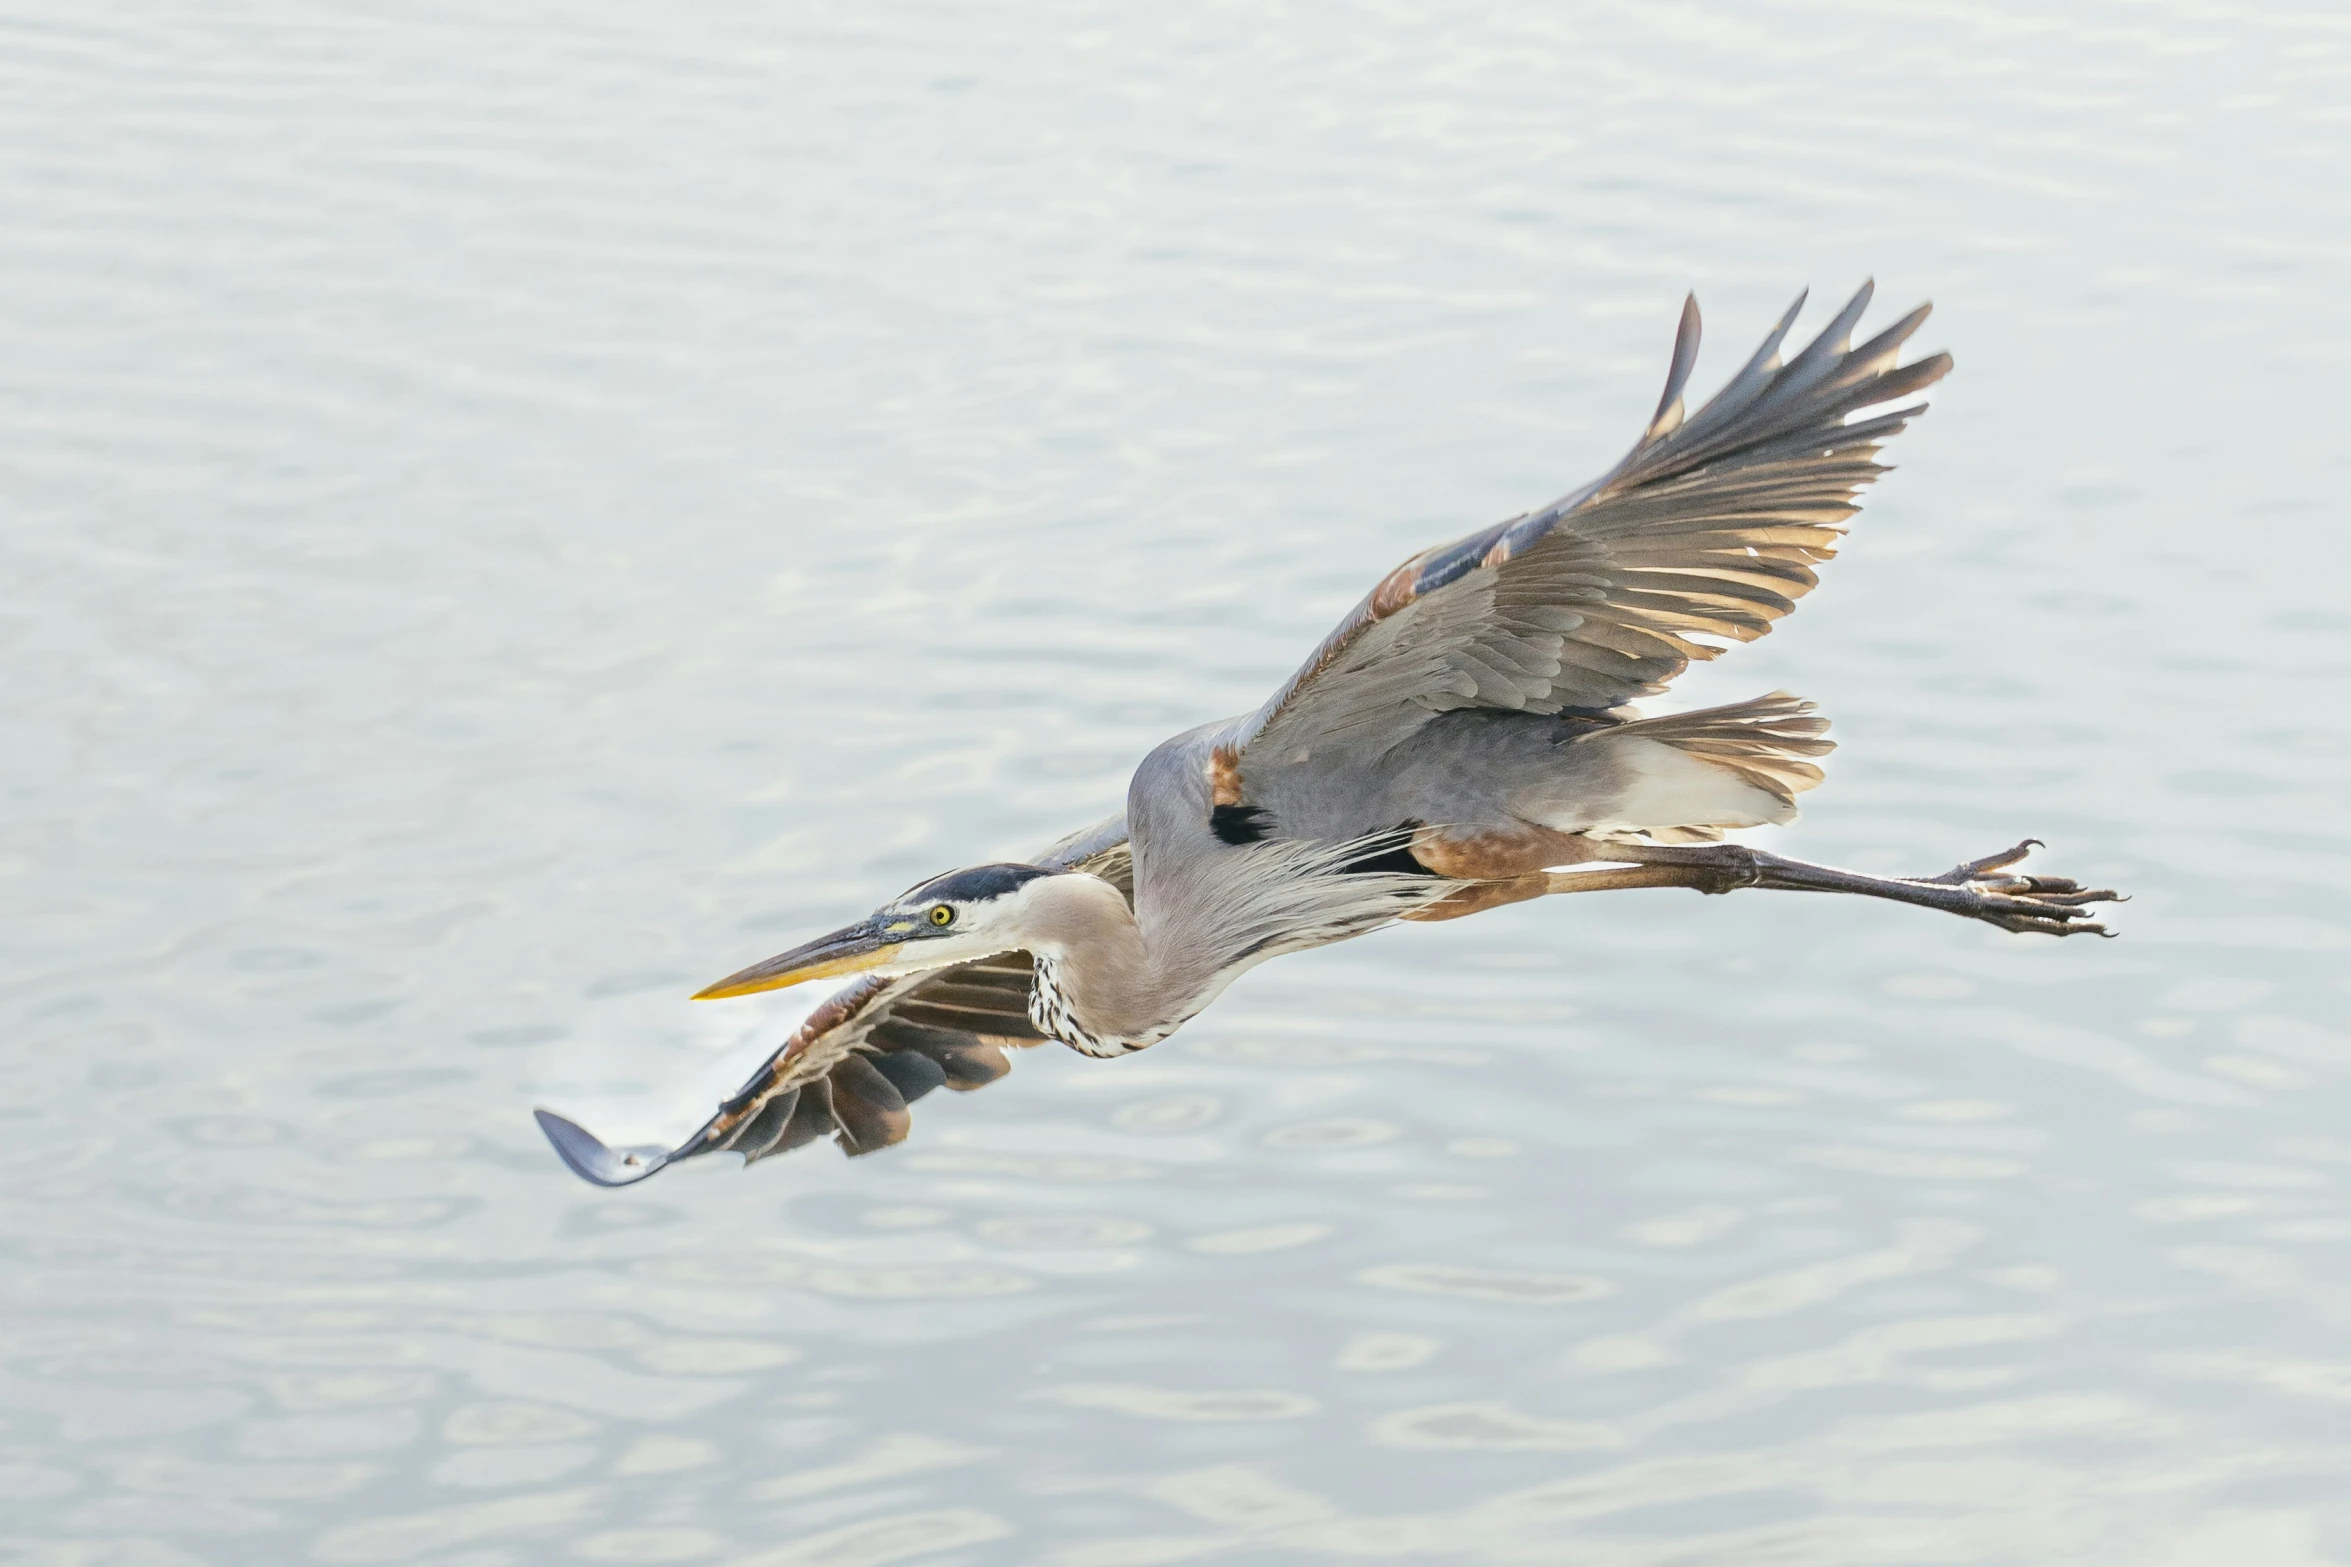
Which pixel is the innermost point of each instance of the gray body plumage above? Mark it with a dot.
(1475, 768)
(1465, 727)
(1211, 909)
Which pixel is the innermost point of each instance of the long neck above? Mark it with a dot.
(1099, 986)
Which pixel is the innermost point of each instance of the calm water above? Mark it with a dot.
(509, 519)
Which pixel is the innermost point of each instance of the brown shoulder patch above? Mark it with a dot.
(1224, 776)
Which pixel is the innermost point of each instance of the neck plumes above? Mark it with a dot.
(1098, 988)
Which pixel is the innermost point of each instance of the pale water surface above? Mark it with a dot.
(513, 512)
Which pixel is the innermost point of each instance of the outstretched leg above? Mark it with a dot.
(1979, 889)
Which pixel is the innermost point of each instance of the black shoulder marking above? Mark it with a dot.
(974, 883)
(1241, 823)
(1391, 854)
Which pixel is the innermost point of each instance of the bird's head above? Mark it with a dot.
(975, 912)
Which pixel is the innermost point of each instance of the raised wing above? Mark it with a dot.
(1709, 528)
(850, 1070)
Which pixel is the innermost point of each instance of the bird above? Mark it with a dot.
(1467, 738)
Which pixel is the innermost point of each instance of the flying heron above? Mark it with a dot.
(1463, 740)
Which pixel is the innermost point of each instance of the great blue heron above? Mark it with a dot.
(1461, 741)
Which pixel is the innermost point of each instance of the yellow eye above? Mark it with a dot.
(942, 915)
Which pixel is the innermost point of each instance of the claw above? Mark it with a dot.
(2024, 908)
(2056, 922)
(1961, 875)
(2040, 905)
(2050, 928)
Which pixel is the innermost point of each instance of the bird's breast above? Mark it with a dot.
(1057, 1016)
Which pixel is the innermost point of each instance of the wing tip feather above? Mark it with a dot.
(1686, 338)
(592, 1159)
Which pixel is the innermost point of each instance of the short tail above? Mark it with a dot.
(1766, 740)
(1753, 758)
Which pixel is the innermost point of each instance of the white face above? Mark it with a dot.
(950, 919)
(932, 932)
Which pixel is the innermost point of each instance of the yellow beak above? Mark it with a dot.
(852, 950)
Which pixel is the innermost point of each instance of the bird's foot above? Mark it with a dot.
(1982, 889)
(2048, 905)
